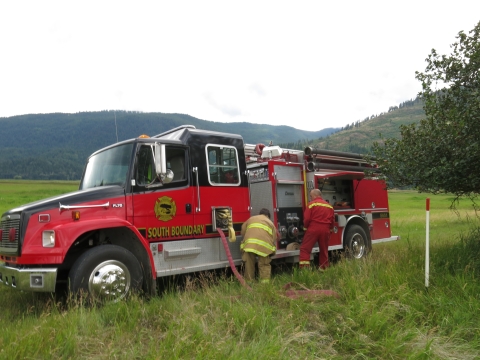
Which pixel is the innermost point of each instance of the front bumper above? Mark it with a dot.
(33, 279)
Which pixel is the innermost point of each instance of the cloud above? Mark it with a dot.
(257, 89)
(308, 64)
(226, 109)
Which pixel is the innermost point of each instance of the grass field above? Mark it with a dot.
(383, 311)
(17, 192)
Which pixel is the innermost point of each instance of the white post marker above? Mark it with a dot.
(427, 244)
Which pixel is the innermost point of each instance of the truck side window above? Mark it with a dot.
(145, 174)
(145, 167)
(222, 165)
(176, 163)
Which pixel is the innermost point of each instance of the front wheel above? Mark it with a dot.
(107, 273)
(357, 244)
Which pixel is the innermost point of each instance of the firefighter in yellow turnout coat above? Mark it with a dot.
(259, 239)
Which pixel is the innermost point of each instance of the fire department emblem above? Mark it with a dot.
(165, 208)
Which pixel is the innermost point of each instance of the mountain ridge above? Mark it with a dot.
(55, 146)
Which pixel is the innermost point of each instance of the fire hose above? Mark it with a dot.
(230, 260)
(307, 293)
(293, 294)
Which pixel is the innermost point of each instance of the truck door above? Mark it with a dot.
(373, 197)
(163, 212)
(220, 186)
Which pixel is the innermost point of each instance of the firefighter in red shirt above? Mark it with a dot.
(318, 219)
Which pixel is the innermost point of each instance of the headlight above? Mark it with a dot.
(48, 238)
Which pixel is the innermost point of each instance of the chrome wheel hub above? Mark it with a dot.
(358, 246)
(109, 281)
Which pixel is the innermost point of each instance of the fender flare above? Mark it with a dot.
(358, 220)
(75, 230)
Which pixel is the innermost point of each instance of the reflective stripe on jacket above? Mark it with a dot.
(319, 212)
(259, 236)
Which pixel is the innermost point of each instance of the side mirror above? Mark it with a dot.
(160, 160)
(164, 174)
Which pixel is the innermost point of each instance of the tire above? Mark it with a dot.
(357, 244)
(107, 273)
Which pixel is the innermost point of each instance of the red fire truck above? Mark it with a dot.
(157, 206)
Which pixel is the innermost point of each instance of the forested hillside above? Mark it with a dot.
(359, 136)
(55, 146)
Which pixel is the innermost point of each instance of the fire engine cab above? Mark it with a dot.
(157, 206)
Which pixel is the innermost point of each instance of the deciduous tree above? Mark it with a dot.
(442, 152)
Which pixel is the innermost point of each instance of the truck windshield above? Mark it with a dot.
(108, 167)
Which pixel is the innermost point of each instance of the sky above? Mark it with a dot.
(306, 64)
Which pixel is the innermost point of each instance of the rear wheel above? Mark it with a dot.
(357, 244)
(107, 273)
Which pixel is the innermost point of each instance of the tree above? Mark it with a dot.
(442, 153)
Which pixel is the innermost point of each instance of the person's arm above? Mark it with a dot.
(332, 223)
(306, 217)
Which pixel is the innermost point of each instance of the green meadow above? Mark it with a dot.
(383, 309)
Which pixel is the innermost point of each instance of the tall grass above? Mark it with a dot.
(383, 311)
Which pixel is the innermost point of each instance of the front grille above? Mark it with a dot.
(8, 222)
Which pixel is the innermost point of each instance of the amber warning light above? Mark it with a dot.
(76, 215)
